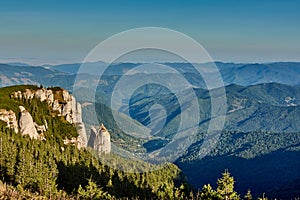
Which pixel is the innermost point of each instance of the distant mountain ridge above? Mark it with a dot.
(262, 121)
(271, 107)
(30, 75)
(232, 73)
(260, 137)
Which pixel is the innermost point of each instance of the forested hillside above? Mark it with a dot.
(267, 161)
(49, 169)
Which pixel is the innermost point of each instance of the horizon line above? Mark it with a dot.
(44, 63)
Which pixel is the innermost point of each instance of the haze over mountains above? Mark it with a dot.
(261, 131)
(249, 100)
(232, 73)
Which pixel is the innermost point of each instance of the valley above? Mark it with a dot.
(260, 140)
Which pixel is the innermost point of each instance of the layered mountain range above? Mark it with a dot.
(260, 139)
(232, 73)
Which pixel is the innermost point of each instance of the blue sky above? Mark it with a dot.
(230, 30)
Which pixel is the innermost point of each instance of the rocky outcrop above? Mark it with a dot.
(10, 118)
(56, 107)
(100, 140)
(63, 104)
(59, 100)
(26, 124)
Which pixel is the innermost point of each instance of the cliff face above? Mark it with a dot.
(59, 100)
(100, 139)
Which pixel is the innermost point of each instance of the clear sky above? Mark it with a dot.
(231, 30)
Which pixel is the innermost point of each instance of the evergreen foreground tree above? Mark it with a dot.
(248, 196)
(208, 193)
(92, 191)
(225, 188)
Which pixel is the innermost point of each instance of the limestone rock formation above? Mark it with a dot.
(26, 124)
(56, 107)
(78, 113)
(100, 140)
(67, 111)
(10, 118)
(17, 95)
(63, 103)
(45, 95)
(28, 94)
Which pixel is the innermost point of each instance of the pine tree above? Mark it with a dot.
(208, 193)
(8, 157)
(248, 196)
(225, 188)
(92, 191)
(26, 175)
(165, 191)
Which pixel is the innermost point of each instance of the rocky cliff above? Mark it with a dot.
(100, 139)
(59, 100)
